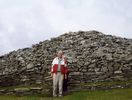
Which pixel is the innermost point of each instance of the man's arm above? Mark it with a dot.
(65, 76)
(51, 70)
(66, 68)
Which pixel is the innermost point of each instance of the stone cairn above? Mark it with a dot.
(92, 57)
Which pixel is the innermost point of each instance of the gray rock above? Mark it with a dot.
(92, 57)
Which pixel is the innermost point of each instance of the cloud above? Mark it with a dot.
(21, 25)
(25, 22)
(106, 16)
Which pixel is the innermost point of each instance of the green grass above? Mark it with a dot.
(107, 83)
(24, 86)
(104, 83)
(113, 94)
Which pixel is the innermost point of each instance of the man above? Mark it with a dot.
(58, 72)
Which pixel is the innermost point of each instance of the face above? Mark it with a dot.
(60, 54)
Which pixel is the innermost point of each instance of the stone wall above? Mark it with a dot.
(92, 57)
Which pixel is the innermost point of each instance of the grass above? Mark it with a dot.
(104, 83)
(113, 94)
(107, 83)
(24, 86)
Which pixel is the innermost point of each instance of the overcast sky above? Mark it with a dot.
(25, 22)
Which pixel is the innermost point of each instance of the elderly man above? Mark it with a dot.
(58, 72)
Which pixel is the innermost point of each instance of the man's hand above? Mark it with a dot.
(52, 75)
(65, 76)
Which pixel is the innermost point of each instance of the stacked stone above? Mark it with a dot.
(92, 57)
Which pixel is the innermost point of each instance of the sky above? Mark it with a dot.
(26, 22)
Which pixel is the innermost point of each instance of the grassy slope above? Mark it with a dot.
(113, 94)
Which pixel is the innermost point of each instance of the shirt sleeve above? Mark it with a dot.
(53, 62)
